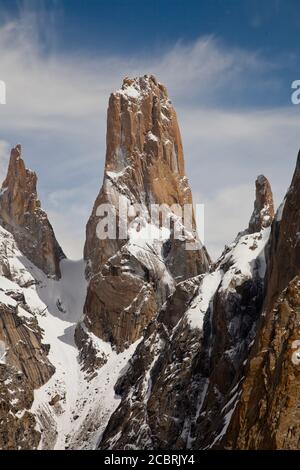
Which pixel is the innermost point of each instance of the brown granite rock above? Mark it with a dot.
(284, 253)
(267, 415)
(21, 214)
(159, 395)
(263, 212)
(145, 165)
(24, 366)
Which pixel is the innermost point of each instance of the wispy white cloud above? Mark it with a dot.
(226, 151)
(56, 106)
(227, 212)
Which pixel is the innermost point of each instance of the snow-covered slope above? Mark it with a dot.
(73, 407)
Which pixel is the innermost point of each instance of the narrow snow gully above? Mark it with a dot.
(55, 402)
(72, 408)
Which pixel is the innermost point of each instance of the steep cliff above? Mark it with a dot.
(131, 276)
(24, 365)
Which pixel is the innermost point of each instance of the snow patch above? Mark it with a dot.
(243, 259)
(151, 136)
(84, 404)
(207, 290)
(129, 91)
(244, 256)
(232, 403)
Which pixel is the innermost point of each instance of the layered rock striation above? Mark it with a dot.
(24, 363)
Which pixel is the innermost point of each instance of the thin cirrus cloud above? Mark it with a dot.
(56, 107)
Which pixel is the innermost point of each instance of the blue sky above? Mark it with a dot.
(228, 66)
(150, 27)
(119, 25)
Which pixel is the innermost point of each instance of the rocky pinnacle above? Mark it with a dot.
(131, 279)
(263, 212)
(21, 214)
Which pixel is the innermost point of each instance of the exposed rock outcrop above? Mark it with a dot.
(21, 214)
(24, 365)
(130, 278)
(27, 242)
(263, 212)
(284, 252)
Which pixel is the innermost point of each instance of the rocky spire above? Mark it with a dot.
(130, 279)
(263, 212)
(21, 214)
(144, 162)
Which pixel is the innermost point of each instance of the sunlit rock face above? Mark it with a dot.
(263, 212)
(130, 279)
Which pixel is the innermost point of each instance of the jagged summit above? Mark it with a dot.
(21, 214)
(263, 213)
(20, 186)
(136, 87)
(144, 158)
(141, 122)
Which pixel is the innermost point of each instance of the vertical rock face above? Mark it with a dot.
(131, 278)
(24, 366)
(21, 214)
(263, 212)
(267, 415)
(284, 254)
